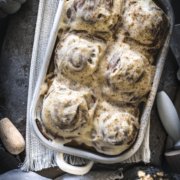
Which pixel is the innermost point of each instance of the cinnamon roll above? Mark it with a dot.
(66, 114)
(92, 15)
(129, 75)
(115, 130)
(78, 57)
(149, 52)
(145, 22)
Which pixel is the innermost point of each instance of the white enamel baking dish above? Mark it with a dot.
(96, 157)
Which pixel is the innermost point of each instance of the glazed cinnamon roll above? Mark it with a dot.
(66, 114)
(149, 52)
(92, 15)
(145, 21)
(115, 130)
(78, 58)
(129, 75)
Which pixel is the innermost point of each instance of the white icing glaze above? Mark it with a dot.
(77, 57)
(115, 128)
(103, 70)
(144, 21)
(129, 76)
(92, 15)
(67, 113)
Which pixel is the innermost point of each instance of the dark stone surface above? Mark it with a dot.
(14, 73)
(15, 63)
(158, 136)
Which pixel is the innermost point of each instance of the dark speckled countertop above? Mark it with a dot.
(15, 59)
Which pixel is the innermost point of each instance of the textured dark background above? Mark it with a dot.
(15, 59)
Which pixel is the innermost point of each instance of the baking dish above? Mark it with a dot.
(165, 4)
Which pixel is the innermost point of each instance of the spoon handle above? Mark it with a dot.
(168, 116)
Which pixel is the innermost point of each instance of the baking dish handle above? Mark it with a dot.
(63, 165)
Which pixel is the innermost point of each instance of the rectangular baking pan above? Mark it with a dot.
(97, 157)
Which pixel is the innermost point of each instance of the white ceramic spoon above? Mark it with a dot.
(169, 117)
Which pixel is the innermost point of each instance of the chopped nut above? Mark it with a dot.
(141, 173)
(148, 177)
(44, 89)
(161, 174)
